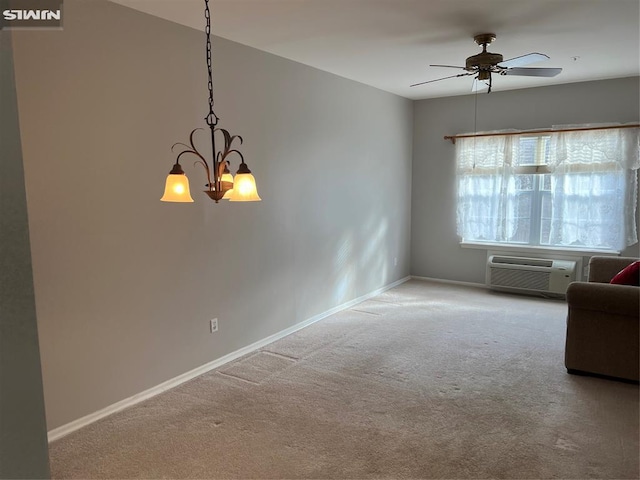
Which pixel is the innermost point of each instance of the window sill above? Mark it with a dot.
(585, 252)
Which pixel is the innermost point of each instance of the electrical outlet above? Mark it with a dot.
(214, 325)
(395, 261)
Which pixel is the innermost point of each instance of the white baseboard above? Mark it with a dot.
(66, 429)
(451, 282)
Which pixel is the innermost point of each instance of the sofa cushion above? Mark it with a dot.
(628, 276)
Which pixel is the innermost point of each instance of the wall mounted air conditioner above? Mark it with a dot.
(530, 275)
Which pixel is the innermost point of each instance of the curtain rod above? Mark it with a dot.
(527, 132)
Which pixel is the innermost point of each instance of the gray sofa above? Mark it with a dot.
(602, 323)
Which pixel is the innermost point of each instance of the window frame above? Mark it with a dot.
(538, 169)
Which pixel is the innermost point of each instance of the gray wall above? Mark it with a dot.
(435, 249)
(23, 434)
(125, 284)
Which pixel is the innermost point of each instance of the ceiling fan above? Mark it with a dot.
(485, 63)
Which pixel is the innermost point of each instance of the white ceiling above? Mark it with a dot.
(389, 44)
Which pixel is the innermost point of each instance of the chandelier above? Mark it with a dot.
(220, 183)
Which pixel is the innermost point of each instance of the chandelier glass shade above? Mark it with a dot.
(176, 187)
(220, 183)
(244, 186)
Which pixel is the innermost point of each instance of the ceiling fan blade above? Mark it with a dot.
(479, 85)
(524, 60)
(532, 72)
(448, 66)
(444, 78)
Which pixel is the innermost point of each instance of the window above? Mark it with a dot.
(564, 189)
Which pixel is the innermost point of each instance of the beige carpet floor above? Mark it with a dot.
(426, 380)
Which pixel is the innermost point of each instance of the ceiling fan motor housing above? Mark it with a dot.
(483, 61)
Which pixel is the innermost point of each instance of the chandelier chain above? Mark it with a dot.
(220, 183)
(211, 118)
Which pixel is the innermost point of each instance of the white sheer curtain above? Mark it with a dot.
(486, 207)
(592, 176)
(594, 188)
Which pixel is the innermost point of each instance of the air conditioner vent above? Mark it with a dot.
(532, 262)
(533, 275)
(520, 279)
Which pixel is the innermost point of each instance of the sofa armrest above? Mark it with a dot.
(603, 269)
(616, 299)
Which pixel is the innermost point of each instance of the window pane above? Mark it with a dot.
(545, 217)
(528, 147)
(477, 207)
(533, 151)
(582, 203)
(545, 183)
(520, 202)
(586, 209)
(519, 218)
(545, 150)
(524, 182)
